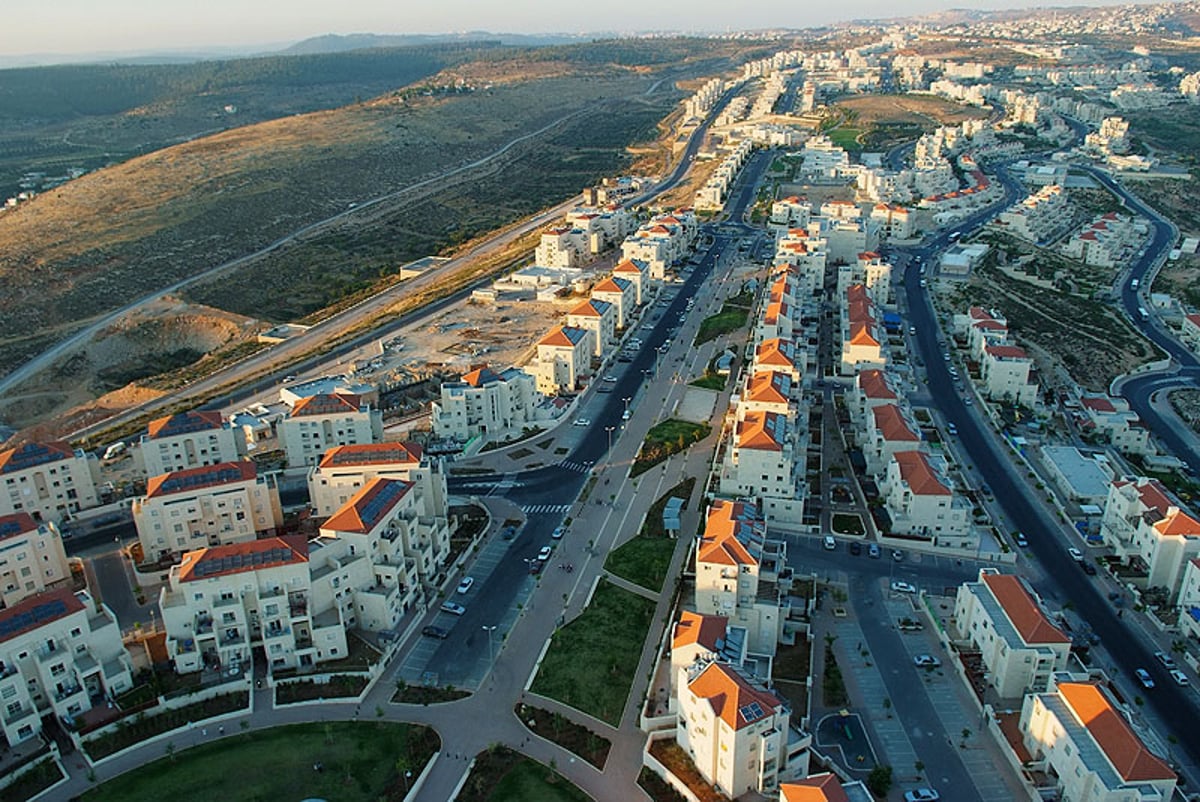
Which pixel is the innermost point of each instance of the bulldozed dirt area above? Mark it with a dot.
(105, 375)
(923, 110)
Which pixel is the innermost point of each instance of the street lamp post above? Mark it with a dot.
(627, 399)
(489, 631)
(609, 430)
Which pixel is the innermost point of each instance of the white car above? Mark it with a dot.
(558, 532)
(582, 422)
(903, 587)
(922, 795)
(1179, 677)
(466, 583)
(452, 608)
(544, 554)
(926, 661)
(1167, 660)
(1076, 554)
(1143, 676)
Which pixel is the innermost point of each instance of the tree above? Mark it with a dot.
(879, 781)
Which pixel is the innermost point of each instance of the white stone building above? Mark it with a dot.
(483, 403)
(50, 480)
(564, 358)
(345, 470)
(32, 558)
(920, 501)
(319, 422)
(189, 439)
(600, 318)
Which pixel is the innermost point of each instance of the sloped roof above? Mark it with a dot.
(1006, 352)
(733, 699)
(564, 337)
(591, 308)
(17, 523)
(762, 431)
(480, 377)
(873, 383)
(612, 284)
(628, 266)
(237, 558)
(194, 420)
(1124, 750)
(369, 506)
(891, 424)
(327, 404)
(371, 454)
(1097, 403)
(37, 611)
(700, 629)
(919, 475)
(769, 388)
(1177, 523)
(720, 542)
(775, 351)
(31, 455)
(816, 788)
(190, 480)
(1023, 610)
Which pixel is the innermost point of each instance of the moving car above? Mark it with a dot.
(581, 422)
(1076, 554)
(465, 584)
(1021, 540)
(903, 587)
(1088, 568)
(1167, 660)
(1179, 677)
(435, 632)
(452, 608)
(926, 661)
(1143, 676)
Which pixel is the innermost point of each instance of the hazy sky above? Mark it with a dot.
(115, 26)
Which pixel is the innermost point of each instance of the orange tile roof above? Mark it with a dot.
(873, 383)
(1098, 403)
(769, 388)
(775, 311)
(1023, 610)
(237, 558)
(816, 788)
(862, 334)
(720, 543)
(732, 696)
(36, 611)
(627, 266)
(611, 284)
(481, 376)
(702, 630)
(190, 480)
(592, 308)
(369, 506)
(327, 404)
(919, 475)
(194, 420)
(1124, 750)
(891, 424)
(563, 337)
(31, 455)
(775, 351)
(762, 431)
(1006, 352)
(18, 523)
(1177, 523)
(372, 454)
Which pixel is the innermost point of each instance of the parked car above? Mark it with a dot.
(1179, 677)
(903, 587)
(544, 553)
(508, 532)
(855, 548)
(1021, 540)
(466, 583)
(535, 567)
(452, 608)
(1167, 660)
(1143, 676)
(926, 661)
(922, 795)
(581, 422)
(435, 632)
(558, 532)
(1089, 568)
(873, 551)
(897, 555)
(828, 543)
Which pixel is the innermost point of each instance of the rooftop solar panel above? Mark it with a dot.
(33, 617)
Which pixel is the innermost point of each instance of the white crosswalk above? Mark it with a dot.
(581, 467)
(536, 509)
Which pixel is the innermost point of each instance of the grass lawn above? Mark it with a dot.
(667, 438)
(847, 524)
(846, 137)
(359, 762)
(591, 661)
(501, 775)
(727, 320)
(643, 561)
(45, 774)
(711, 381)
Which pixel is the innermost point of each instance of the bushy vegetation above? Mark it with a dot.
(665, 439)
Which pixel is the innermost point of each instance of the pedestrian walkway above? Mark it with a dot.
(580, 467)
(546, 509)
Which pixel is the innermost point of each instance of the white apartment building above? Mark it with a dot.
(1145, 525)
(895, 221)
(564, 358)
(790, 212)
(981, 327)
(863, 346)
(699, 638)
(871, 389)
(1080, 738)
(822, 158)
(1111, 419)
(920, 501)
(221, 602)
(1007, 374)
(319, 422)
(1001, 618)
(1105, 242)
(32, 557)
(600, 318)
(345, 470)
(60, 654)
(562, 247)
(776, 321)
(189, 439)
(483, 403)
(888, 432)
(870, 270)
(621, 294)
(737, 733)
(1189, 331)
(1040, 217)
(737, 573)
(209, 506)
(1188, 602)
(637, 273)
(49, 480)
(760, 463)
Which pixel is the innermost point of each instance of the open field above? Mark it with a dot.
(590, 662)
(358, 762)
(175, 214)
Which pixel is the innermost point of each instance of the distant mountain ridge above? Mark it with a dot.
(340, 43)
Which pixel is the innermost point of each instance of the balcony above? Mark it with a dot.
(270, 633)
(231, 637)
(204, 624)
(21, 716)
(67, 693)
